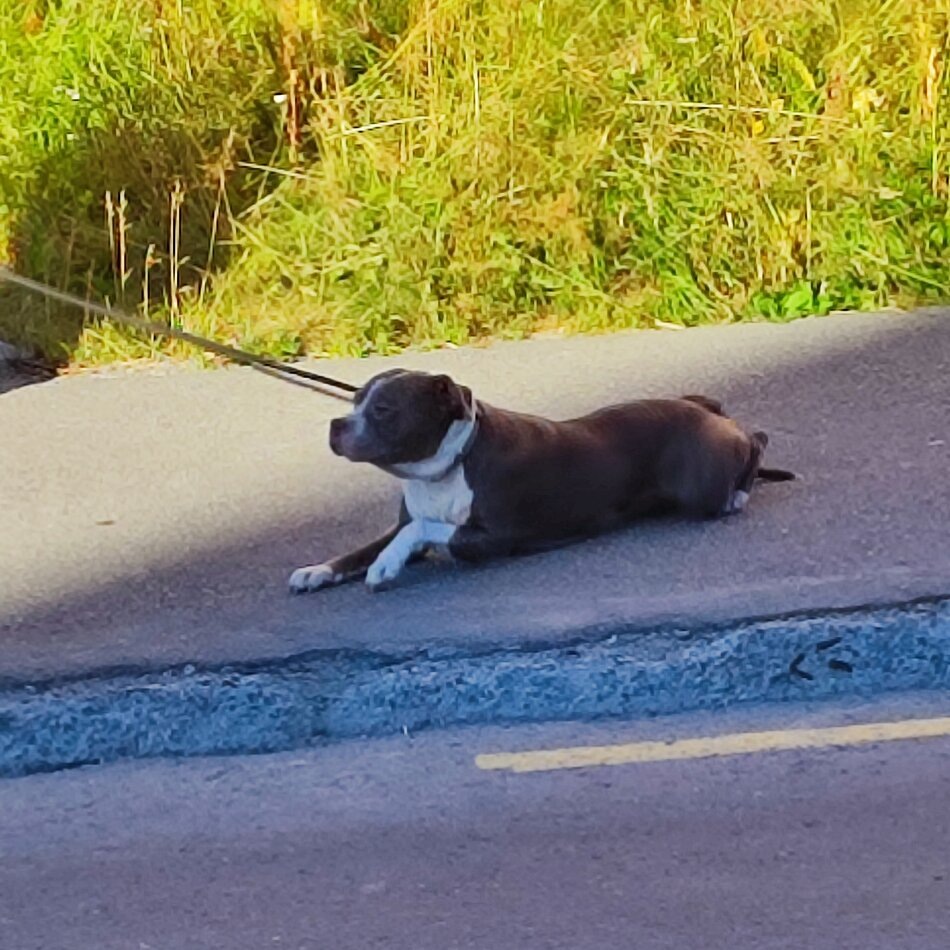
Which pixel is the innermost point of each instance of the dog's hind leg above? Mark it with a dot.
(475, 544)
(739, 496)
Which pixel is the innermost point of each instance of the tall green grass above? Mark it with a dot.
(352, 177)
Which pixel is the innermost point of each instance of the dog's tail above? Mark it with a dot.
(775, 475)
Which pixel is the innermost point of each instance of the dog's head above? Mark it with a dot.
(400, 417)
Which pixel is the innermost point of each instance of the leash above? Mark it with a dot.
(283, 371)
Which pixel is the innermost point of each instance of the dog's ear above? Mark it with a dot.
(456, 398)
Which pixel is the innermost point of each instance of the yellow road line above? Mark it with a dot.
(742, 743)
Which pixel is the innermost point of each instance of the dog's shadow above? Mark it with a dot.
(435, 568)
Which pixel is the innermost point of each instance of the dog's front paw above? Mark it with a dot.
(383, 572)
(312, 578)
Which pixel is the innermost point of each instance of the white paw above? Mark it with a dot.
(737, 503)
(383, 571)
(311, 578)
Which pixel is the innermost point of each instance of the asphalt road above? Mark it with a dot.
(152, 518)
(406, 844)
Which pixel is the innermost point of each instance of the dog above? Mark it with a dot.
(482, 482)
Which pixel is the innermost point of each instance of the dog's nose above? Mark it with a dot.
(336, 433)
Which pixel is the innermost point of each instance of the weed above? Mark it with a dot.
(344, 177)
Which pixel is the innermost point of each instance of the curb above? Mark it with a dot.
(324, 696)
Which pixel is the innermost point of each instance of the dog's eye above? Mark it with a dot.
(382, 411)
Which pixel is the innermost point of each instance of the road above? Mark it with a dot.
(152, 518)
(405, 843)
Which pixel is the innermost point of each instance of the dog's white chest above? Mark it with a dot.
(448, 500)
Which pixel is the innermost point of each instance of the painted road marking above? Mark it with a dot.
(742, 743)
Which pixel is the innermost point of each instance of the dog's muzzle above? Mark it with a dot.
(337, 429)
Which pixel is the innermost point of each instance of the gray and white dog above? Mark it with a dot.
(483, 482)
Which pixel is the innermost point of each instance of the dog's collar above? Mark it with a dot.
(464, 451)
(418, 471)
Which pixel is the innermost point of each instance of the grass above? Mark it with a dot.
(346, 177)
